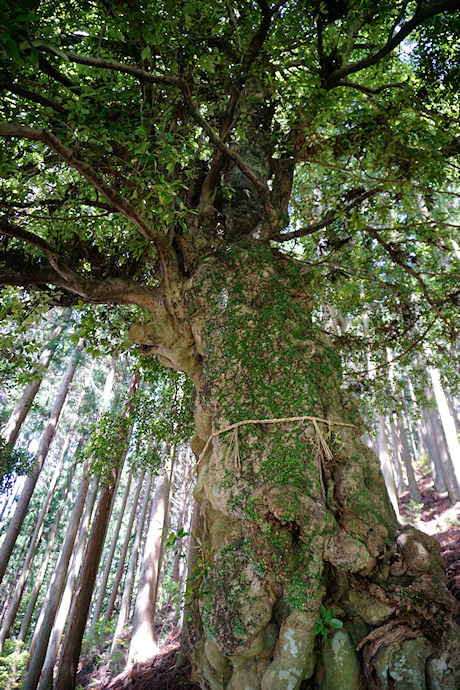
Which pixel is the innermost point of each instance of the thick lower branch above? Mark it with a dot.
(93, 177)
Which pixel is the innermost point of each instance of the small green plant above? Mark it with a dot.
(201, 570)
(173, 538)
(13, 662)
(415, 508)
(326, 622)
(452, 521)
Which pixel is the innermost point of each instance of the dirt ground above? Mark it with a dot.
(436, 517)
(439, 518)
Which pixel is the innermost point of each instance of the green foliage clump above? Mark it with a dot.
(13, 662)
(13, 461)
(107, 443)
(326, 622)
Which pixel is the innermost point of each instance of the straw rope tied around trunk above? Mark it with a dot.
(323, 448)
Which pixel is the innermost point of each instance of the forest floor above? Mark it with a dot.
(434, 516)
(440, 519)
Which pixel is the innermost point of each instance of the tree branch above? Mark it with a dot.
(108, 291)
(95, 179)
(367, 89)
(326, 220)
(74, 281)
(418, 340)
(54, 73)
(261, 188)
(228, 119)
(115, 66)
(419, 17)
(35, 97)
(396, 256)
(57, 203)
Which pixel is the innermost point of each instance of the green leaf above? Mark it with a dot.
(146, 53)
(335, 623)
(323, 610)
(26, 18)
(329, 614)
(12, 49)
(318, 627)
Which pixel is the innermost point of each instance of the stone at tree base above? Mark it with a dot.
(339, 667)
(357, 630)
(443, 672)
(404, 663)
(214, 679)
(251, 664)
(249, 674)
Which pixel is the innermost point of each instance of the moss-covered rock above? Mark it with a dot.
(294, 659)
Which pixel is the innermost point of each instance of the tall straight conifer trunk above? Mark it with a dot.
(82, 599)
(144, 642)
(42, 452)
(13, 426)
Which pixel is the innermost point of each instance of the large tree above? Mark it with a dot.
(223, 166)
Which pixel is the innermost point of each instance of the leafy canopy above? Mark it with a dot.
(140, 136)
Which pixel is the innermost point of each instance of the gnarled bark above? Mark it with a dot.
(295, 512)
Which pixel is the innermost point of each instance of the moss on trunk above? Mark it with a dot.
(295, 513)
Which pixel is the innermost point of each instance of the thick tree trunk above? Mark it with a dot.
(29, 486)
(295, 511)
